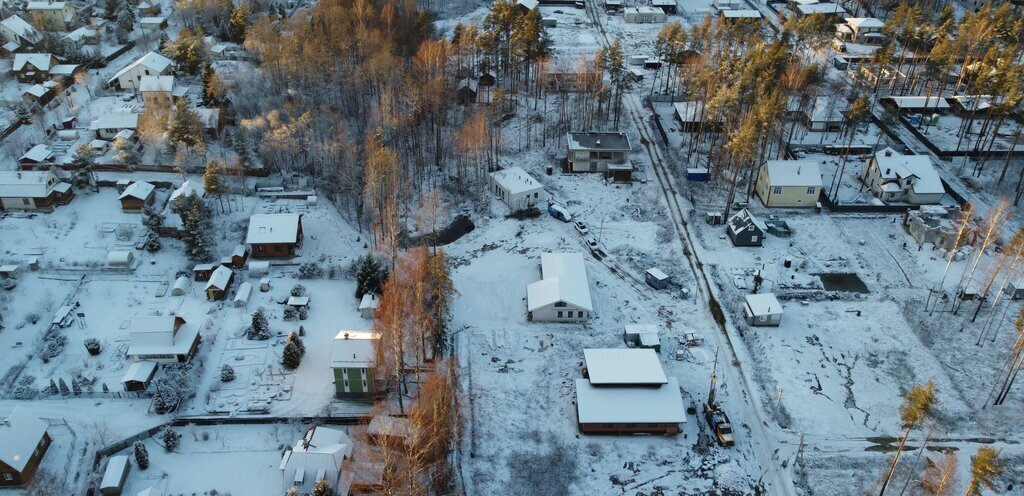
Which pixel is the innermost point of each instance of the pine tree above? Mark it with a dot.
(260, 327)
(76, 386)
(53, 388)
(184, 127)
(370, 276)
(291, 356)
(164, 40)
(170, 438)
(141, 455)
(916, 408)
(213, 88)
(322, 488)
(125, 20)
(125, 153)
(237, 24)
(294, 338)
(211, 179)
(82, 161)
(111, 8)
(227, 374)
(197, 226)
(985, 467)
(152, 219)
(63, 387)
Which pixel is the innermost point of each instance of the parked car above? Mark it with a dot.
(581, 227)
(559, 212)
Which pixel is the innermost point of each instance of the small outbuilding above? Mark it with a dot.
(762, 310)
(243, 295)
(181, 285)
(9, 271)
(642, 336)
(265, 284)
(657, 279)
(238, 256)
(368, 306)
(219, 283)
(203, 272)
(115, 475)
(120, 259)
(746, 230)
(139, 375)
(298, 301)
(136, 196)
(259, 268)
(1015, 289)
(23, 443)
(517, 188)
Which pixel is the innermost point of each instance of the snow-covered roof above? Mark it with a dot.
(115, 121)
(763, 304)
(657, 273)
(893, 166)
(564, 279)
(41, 61)
(977, 102)
(741, 14)
(116, 467)
(22, 28)
(156, 83)
(865, 22)
(186, 189)
(827, 110)
(624, 366)
(273, 228)
(320, 454)
(219, 279)
(45, 6)
(803, 173)
(11, 46)
(157, 336)
(38, 153)
(152, 21)
(821, 8)
(152, 60)
(515, 180)
(369, 300)
(613, 405)
(469, 83)
(598, 141)
(353, 349)
(138, 189)
(139, 371)
(119, 258)
(917, 102)
(26, 184)
(81, 33)
(20, 434)
(244, 292)
(528, 4)
(298, 301)
(743, 218)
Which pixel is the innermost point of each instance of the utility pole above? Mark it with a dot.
(778, 402)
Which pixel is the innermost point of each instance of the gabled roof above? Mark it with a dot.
(219, 279)
(893, 166)
(320, 454)
(152, 60)
(528, 4)
(803, 173)
(139, 371)
(41, 61)
(763, 304)
(20, 434)
(186, 189)
(22, 28)
(38, 153)
(613, 405)
(156, 336)
(624, 367)
(355, 350)
(744, 218)
(45, 6)
(138, 189)
(865, 22)
(115, 121)
(565, 279)
(25, 184)
(156, 83)
(80, 33)
(273, 228)
(515, 180)
(820, 8)
(36, 90)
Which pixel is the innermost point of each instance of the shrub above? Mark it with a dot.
(92, 345)
(227, 374)
(170, 438)
(141, 455)
(298, 290)
(310, 270)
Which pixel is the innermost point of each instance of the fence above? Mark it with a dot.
(945, 154)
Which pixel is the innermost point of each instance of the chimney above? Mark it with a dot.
(888, 152)
(598, 142)
(346, 335)
(887, 171)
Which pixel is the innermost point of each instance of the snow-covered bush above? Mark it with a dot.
(227, 374)
(293, 352)
(298, 290)
(170, 438)
(141, 455)
(303, 313)
(260, 327)
(290, 313)
(310, 270)
(92, 345)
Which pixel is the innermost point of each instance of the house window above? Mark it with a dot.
(753, 239)
(560, 304)
(580, 314)
(261, 248)
(777, 190)
(811, 191)
(25, 201)
(364, 386)
(8, 477)
(362, 371)
(346, 385)
(559, 314)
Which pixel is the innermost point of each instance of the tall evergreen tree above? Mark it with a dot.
(197, 226)
(141, 455)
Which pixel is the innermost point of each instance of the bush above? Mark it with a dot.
(227, 374)
(298, 290)
(523, 214)
(92, 345)
(293, 352)
(310, 270)
(303, 313)
(141, 455)
(260, 327)
(170, 438)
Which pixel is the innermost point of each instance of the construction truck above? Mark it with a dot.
(717, 419)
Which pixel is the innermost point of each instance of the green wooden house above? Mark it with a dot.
(354, 365)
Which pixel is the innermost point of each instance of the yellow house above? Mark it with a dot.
(51, 16)
(789, 183)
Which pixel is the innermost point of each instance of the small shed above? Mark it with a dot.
(115, 475)
(298, 301)
(657, 279)
(181, 285)
(243, 294)
(219, 283)
(368, 305)
(9, 271)
(642, 336)
(265, 284)
(120, 259)
(203, 272)
(762, 310)
(1015, 289)
(259, 268)
(139, 375)
(746, 230)
(238, 256)
(697, 174)
(136, 196)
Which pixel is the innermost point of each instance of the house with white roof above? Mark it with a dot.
(151, 64)
(162, 339)
(829, 10)
(136, 196)
(626, 391)
(82, 36)
(32, 190)
(322, 454)
(172, 223)
(517, 188)
(38, 154)
(160, 89)
(354, 364)
(52, 16)
(525, 6)
(107, 126)
(826, 114)
(33, 67)
(219, 283)
(16, 30)
(23, 443)
(789, 183)
(762, 309)
(863, 30)
(563, 293)
(912, 179)
(275, 235)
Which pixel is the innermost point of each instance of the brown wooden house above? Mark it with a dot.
(219, 284)
(275, 235)
(23, 443)
(33, 190)
(136, 196)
